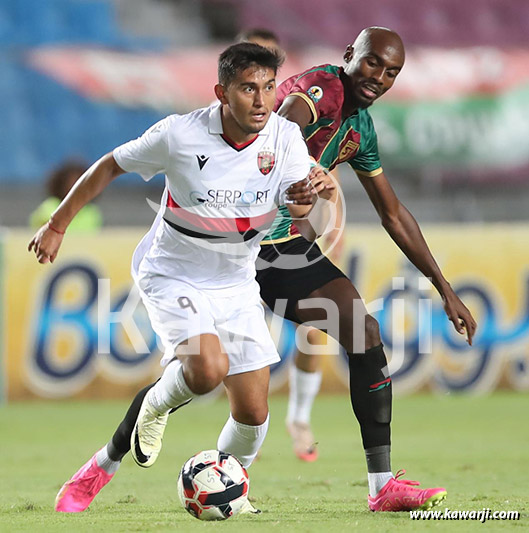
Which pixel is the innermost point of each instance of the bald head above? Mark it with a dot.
(373, 62)
(376, 35)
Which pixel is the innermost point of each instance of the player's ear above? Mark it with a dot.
(348, 54)
(220, 93)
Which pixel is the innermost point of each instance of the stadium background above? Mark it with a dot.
(78, 77)
(82, 76)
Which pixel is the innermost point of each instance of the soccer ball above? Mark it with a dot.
(213, 485)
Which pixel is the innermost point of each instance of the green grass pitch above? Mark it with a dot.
(477, 447)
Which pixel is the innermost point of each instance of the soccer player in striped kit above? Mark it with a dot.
(227, 167)
(330, 103)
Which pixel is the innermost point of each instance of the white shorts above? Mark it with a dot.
(179, 311)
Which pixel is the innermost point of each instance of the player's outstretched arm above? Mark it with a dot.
(47, 241)
(404, 230)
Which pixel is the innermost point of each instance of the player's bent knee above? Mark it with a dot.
(255, 417)
(352, 338)
(206, 371)
(205, 381)
(372, 332)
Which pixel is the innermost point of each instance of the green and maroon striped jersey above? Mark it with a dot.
(331, 139)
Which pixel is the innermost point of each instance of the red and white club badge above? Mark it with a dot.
(266, 161)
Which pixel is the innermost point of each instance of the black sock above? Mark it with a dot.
(371, 395)
(378, 458)
(119, 445)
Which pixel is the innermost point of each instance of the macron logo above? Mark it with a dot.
(202, 160)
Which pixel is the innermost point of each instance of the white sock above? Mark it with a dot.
(171, 390)
(304, 387)
(105, 462)
(376, 481)
(242, 440)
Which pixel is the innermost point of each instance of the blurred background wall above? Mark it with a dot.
(78, 77)
(81, 76)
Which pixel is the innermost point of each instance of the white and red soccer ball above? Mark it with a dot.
(213, 485)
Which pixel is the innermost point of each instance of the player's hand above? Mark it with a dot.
(459, 315)
(46, 243)
(299, 193)
(322, 184)
(317, 184)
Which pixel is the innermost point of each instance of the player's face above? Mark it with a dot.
(372, 70)
(247, 102)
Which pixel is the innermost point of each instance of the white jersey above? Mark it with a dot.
(220, 198)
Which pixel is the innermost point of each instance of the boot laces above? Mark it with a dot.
(405, 481)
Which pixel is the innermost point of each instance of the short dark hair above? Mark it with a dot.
(239, 57)
(259, 33)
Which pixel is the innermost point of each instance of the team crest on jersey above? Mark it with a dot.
(315, 93)
(266, 161)
(349, 148)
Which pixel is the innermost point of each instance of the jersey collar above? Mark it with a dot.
(345, 85)
(215, 122)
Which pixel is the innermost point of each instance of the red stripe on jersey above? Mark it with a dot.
(219, 225)
(243, 224)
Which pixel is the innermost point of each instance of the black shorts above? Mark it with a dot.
(299, 268)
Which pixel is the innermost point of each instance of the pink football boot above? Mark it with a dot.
(77, 493)
(403, 495)
(303, 441)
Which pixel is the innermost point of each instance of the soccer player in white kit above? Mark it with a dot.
(227, 169)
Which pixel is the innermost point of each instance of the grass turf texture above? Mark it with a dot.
(477, 447)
